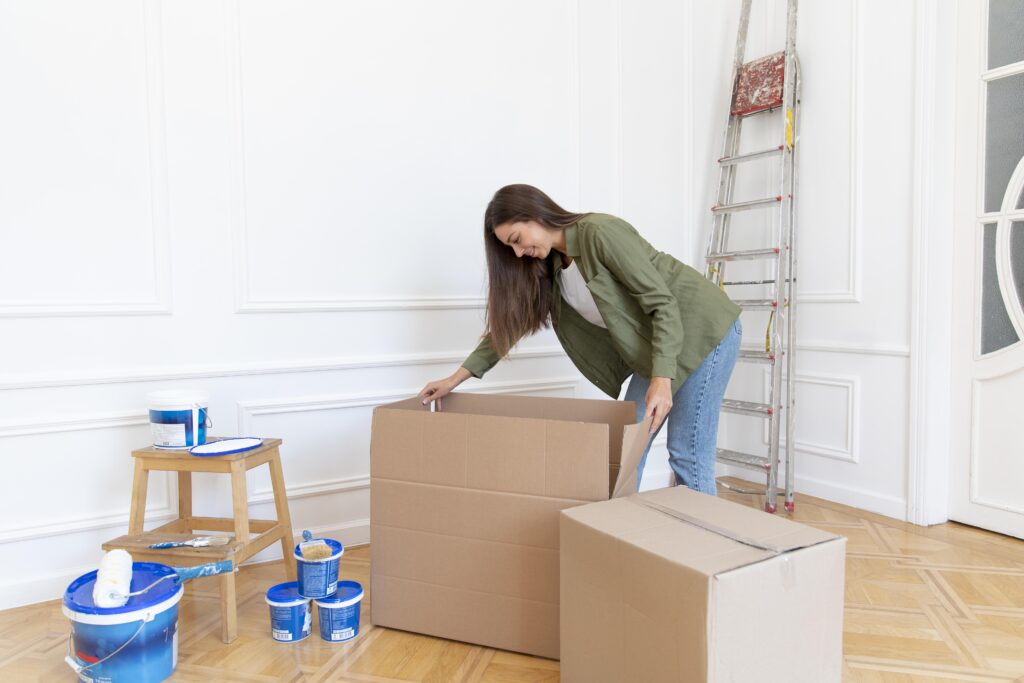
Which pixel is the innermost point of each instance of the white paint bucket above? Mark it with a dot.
(178, 419)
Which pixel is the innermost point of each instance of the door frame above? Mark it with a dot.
(932, 230)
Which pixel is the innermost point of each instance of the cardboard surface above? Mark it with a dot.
(464, 509)
(673, 585)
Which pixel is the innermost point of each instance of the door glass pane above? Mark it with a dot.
(1005, 28)
(1020, 199)
(1017, 257)
(1004, 136)
(996, 329)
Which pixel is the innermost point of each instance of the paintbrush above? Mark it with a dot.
(198, 542)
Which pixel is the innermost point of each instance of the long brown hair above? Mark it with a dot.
(519, 289)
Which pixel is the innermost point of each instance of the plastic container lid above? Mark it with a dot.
(337, 548)
(285, 595)
(227, 446)
(349, 593)
(78, 596)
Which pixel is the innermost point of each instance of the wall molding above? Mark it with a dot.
(244, 301)
(75, 423)
(338, 363)
(306, 305)
(165, 512)
(852, 293)
(822, 346)
(249, 410)
(152, 31)
(317, 488)
(848, 453)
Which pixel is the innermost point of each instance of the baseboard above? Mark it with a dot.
(890, 506)
(51, 586)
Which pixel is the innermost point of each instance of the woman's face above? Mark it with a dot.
(526, 238)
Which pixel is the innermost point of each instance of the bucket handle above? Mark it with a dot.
(79, 668)
(204, 413)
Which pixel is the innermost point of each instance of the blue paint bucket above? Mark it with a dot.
(178, 419)
(319, 578)
(339, 614)
(134, 643)
(291, 616)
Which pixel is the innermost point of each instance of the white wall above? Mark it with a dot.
(280, 204)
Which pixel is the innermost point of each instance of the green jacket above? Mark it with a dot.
(663, 316)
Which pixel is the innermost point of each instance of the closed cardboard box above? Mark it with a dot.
(464, 509)
(673, 585)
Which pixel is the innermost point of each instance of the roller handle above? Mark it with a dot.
(209, 569)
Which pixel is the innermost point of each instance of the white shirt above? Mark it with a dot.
(576, 294)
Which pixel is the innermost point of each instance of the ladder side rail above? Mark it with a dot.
(729, 187)
(781, 319)
(792, 286)
(727, 174)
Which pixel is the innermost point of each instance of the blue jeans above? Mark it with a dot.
(693, 420)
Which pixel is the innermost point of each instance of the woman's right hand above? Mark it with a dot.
(440, 388)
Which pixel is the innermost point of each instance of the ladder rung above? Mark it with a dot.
(746, 206)
(749, 356)
(746, 407)
(751, 282)
(746, 255)
(756, 304)
(740, 158)
(744, 459)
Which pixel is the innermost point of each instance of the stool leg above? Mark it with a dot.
(240, 501)
(284, 519)
(140, 484)
(228, 608)
(185, 499)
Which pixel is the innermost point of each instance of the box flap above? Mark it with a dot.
(738, 522)
(635, 438)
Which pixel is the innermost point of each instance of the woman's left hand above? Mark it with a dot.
(658, 401)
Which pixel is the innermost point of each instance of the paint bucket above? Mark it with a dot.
(178, 419)
(319, 578)
(134, 643)
(291, 616)
(339, 614)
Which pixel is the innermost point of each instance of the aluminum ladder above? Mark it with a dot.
(766, 86)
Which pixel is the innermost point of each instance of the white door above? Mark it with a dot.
(987, 477)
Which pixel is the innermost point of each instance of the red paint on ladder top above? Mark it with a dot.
(759, 85)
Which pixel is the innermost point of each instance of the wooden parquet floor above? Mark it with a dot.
(940, 604)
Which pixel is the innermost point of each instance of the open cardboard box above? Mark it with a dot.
(464, 509)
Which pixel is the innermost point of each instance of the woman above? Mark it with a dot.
(620, 309)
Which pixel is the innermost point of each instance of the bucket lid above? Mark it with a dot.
(285, 595)
(78, 596)
(349, 593)
(177, 397)
(337, 550)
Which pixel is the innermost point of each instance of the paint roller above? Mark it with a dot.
(113, 584)
(113, 579)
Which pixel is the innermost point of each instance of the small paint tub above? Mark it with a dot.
(178, 419)
(339, 614)
(319, 578)
(291, 615)
(134, 643)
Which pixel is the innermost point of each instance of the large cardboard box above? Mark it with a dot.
(464, 507)
(673, 585)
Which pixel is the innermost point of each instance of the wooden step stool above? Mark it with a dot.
(186, 525)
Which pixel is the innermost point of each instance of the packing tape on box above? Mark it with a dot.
(707, 526)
